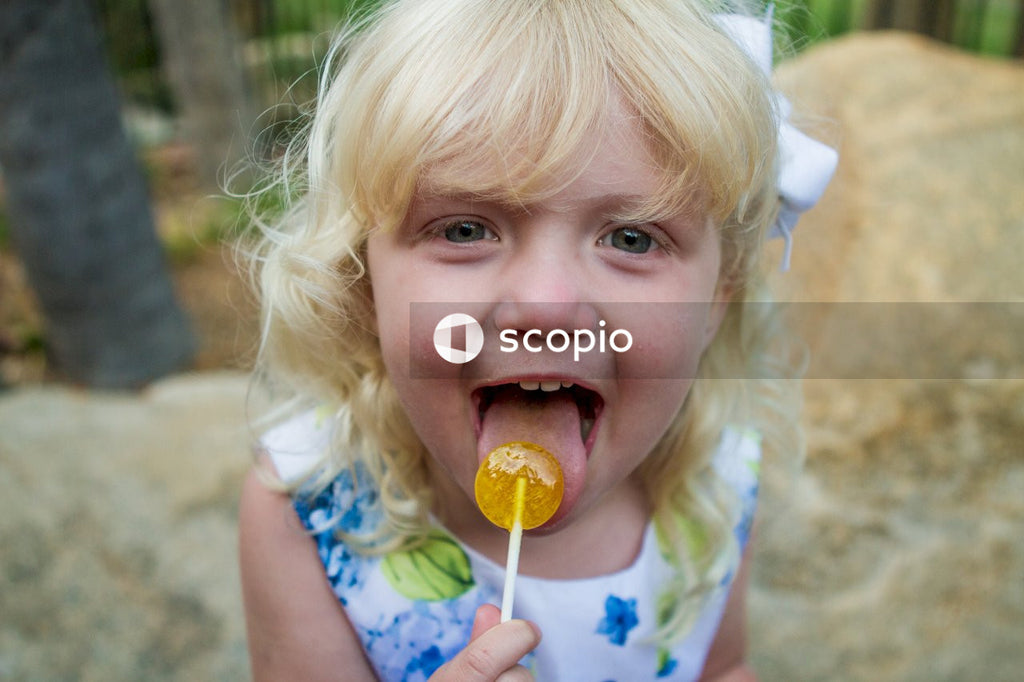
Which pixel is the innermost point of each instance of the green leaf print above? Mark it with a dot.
(436, 570)
(693, 535)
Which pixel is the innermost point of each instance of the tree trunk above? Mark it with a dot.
(905, 15)
(201, 60)
(879, 14)
(79, 208)
(942, 17)
(912, 15)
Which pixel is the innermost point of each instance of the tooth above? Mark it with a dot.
(529, 385)
(566, 384)
(549, 386)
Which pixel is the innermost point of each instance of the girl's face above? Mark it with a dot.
(564, 263)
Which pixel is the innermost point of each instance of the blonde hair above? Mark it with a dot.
(496, 99)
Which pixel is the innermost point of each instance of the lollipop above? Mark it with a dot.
(518, 486)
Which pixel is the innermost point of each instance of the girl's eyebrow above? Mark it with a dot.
(429, 196)
(442, 201)
(635, 207)
(616, 204)
(632, 207)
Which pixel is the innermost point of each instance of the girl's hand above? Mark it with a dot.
(493, 652)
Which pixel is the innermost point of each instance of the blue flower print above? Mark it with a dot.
(343, 505)
(413, 644)
(738, 463)
(351, 505)
(619, 619)
(427, 662)
(343, 572)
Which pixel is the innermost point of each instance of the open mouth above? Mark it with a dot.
(536, 395)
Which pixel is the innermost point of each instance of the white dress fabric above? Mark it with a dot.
(413, 610)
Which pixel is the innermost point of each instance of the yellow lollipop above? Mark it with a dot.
(519, 485)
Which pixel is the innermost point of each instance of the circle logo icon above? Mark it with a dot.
(458, 338)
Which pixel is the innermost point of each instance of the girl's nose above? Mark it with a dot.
(545, 316)
(546, 292)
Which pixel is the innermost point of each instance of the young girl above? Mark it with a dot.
(547, 167)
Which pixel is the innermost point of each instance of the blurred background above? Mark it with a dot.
(173, 96)
(126, 331)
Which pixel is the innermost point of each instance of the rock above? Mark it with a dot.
(900, 554)
(925, 218)
(118, 528)
(926, 205)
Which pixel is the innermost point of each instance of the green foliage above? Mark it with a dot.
(290, 36)
(989, 29)
(128, 32)
(985, 26)
(133, 51)
(189, 229)
(291, 16)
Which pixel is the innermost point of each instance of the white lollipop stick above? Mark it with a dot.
(515, 538)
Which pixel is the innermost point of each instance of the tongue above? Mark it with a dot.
(551, 420)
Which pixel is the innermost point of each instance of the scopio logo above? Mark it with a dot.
(458, 338)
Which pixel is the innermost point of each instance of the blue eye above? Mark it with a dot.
(630, 240)
(463, 231)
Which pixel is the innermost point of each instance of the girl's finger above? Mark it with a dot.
(516, 674)
(493, 654)
(487, 616)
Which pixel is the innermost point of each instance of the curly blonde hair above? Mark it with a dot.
(448, 88)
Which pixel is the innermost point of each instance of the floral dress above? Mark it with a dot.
(413, 610)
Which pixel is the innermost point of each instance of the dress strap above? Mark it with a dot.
(297, 446)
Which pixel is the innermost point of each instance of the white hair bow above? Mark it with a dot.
(805, 165)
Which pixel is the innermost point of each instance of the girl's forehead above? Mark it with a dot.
(610, 156)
